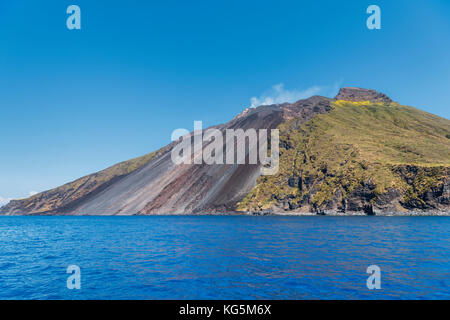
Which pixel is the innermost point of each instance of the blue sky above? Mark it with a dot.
(73, 102)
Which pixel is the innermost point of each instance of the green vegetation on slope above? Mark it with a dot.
(356, 144)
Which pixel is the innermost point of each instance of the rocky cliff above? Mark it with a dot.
(357, 153)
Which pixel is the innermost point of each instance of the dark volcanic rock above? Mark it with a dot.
(359, 94)
(306, 109)
(158, 186)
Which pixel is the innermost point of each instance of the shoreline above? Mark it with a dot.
(257, 214)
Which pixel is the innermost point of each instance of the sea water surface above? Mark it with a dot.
(224, 257)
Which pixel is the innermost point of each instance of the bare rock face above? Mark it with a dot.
(359, 94)
(305, 109)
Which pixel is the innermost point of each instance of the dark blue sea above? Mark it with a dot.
(224, 257)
